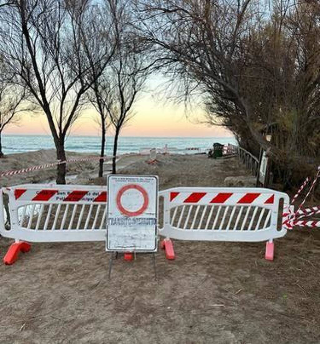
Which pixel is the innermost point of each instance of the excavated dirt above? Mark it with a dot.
(212, 293)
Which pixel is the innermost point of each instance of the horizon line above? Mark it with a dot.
(131, 136)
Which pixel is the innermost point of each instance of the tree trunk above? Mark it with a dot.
(1, 153)
(103, 142)
(61, 155)
(115, 148)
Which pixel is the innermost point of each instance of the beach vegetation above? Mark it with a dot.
(255, 65)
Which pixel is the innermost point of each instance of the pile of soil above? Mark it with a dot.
(44, 156)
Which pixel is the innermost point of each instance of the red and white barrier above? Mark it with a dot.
(56, 213)
(61, 213)
(211, 197)
(55, 195)
(223, 214)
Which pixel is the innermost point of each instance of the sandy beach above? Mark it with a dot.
(214, 292)
(175, 170)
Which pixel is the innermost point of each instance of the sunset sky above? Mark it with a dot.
(154, 117)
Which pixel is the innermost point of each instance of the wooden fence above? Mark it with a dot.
(251, 162)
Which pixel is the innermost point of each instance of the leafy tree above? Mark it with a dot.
(255, 68)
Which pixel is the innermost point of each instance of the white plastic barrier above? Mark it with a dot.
(55, 213)
(153, 155)
(224, 214)
(61, 213)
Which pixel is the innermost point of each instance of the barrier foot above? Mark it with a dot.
(269, 251)
(13, 251)
(167, 245)
(128, 256)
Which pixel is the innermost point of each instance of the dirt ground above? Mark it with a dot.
(212, 293)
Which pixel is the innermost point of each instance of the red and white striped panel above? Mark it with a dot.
(55, 195)
(228, 198)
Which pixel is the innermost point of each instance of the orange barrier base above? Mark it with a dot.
(128, 256)
(269, 251)
(13, 251)
(167, 245)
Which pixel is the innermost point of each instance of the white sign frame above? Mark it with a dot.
(122, 223)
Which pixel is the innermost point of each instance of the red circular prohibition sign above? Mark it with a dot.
(145, 200)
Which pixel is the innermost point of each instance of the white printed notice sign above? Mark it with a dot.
(132, 213)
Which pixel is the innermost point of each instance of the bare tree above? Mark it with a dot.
(43, 44)
(115, 95)
(98, 97)
(127, 77)
(115, 91)
(98, 94)
(11, 99)
(202, 40)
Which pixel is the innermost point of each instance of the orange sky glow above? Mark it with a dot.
(153, 118)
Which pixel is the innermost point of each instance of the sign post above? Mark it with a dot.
(132, 214)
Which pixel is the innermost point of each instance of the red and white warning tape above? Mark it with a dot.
(311, 224)
(311, 188)
(26, 170)
(300, 190)
(93, 158)
(293, 218)
(41, 167)
(308, 212)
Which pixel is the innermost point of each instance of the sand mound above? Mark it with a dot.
(41, 157)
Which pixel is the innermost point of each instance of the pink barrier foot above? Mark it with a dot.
(269, 251)
(167, 245)
(13, 251)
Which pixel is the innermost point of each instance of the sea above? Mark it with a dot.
(91, 144)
